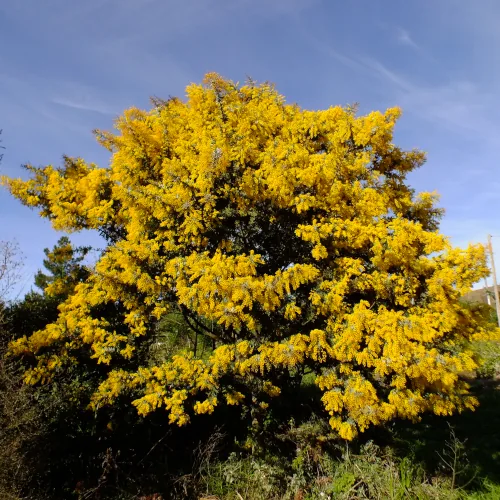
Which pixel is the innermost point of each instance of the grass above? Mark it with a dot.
(454, 458)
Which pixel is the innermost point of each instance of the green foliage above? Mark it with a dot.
(488, 354)
(63, 268)
(32, 313)
(490, 491)
(371, 474)
(174, 335)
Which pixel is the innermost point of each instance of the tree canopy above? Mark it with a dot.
(289, 238)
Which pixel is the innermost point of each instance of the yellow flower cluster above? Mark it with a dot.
(287, 236)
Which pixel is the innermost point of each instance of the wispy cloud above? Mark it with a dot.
(403, 37)
(29, 101)
(460, 105)
(84, 105)
(376, 67)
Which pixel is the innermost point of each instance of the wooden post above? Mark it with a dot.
(494, 276)
(487, 292)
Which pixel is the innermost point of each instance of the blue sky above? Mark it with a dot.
(67, 67)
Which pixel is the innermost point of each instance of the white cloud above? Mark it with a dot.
(459, 105)
(84, 104)
(40, 95)
(404, 38)
(374, 66)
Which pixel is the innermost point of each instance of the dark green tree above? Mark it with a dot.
(64, 268)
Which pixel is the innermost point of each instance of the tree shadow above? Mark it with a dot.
(478, 430)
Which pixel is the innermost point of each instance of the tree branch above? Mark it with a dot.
(204, 330)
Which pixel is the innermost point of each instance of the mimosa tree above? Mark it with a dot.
(289, 238)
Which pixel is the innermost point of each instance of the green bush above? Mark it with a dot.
(488, 355)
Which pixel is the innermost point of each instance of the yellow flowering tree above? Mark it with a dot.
(288, 238)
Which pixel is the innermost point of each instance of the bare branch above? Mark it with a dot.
(11, 263)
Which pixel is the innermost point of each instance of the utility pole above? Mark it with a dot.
(487, 291)
(494, 276)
